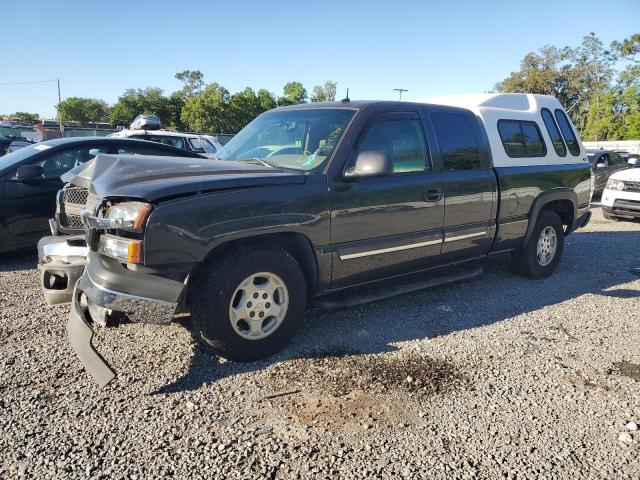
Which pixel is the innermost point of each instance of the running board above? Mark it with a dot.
(378, 292)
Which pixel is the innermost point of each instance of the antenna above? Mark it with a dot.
(400, 90)
(346, 99)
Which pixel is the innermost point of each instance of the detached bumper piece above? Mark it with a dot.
(61, 260)
(107, 284)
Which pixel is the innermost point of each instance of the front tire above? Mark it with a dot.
(250, 303)
(541, 255)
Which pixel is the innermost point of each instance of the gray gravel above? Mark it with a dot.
(499, 377)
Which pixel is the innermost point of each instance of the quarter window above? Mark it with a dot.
(521, 138)
(459, 146)
(402, 139)
(554, 133)
(567, 133)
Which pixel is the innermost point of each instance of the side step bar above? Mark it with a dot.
(380, 292)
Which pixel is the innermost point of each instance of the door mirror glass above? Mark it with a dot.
(370, 164)
(29, 172)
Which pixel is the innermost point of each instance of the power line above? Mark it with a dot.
(27, 83)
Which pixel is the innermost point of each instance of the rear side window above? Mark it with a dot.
(459, 146)
(567, 133)
(521, 138)
(554, 133)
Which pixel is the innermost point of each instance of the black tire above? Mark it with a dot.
(526, 260)
(211, 299)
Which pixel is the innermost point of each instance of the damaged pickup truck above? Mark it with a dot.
(310, 200)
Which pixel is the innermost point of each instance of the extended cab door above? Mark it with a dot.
(385, 225)
(469, 184)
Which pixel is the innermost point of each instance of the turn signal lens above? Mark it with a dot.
(125, 249)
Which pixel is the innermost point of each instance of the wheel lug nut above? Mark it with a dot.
(264, 295)
(252, 314)
(261, 314)
(268, 305)
(249, 304)
(255, 295)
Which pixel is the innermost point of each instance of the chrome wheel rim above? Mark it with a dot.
(547, 246)
(258, 306)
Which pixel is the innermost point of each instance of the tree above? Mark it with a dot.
(324, 93)
(266, 100)
(628, 49)
(83, 110)
(193, 81)
(294, 93)
(208, 112)
(139, 101)
(25, 117)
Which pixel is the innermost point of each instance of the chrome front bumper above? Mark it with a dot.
(61, 260)
(148, 298)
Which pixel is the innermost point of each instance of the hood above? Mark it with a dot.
(629, 174)
(153, 178)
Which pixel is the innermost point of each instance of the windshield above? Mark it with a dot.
(14, 157)
(202, 145)
(296, 139)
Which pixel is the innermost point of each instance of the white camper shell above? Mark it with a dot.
(512, 112)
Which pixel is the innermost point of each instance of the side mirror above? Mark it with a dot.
(601, 165)
(29, 172)
(370, 164)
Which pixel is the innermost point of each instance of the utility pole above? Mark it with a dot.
(400, 90)
(59, 117)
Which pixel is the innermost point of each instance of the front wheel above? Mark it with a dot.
(250, 303)
(540, 256)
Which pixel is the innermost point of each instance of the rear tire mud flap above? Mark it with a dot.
(80, 334)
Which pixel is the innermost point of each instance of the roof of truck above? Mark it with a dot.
(525, 102)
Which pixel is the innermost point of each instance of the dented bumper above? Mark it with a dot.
(107, 284)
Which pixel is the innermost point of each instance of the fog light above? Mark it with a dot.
(125, 249)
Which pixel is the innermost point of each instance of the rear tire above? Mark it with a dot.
(540, 256)
(227, 317)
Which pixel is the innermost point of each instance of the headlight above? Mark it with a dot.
(615, 184)
(126, 249)
(129, 215)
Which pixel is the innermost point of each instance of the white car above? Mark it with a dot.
(621, 196)
(206, 145)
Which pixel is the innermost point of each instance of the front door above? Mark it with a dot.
(386, 225)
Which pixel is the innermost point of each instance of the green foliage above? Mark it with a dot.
(582, 79)
(324, 93)
(193, 82)
(25, 117)
(208, 112)
(294, 93)
(139, 101)
(83, 110)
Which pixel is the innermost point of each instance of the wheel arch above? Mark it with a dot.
(297, 244)
(562, 201)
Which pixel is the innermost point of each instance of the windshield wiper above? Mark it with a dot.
(259, 160)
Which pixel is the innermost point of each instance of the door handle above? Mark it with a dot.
(432, 195)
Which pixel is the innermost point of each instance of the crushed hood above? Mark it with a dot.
(152, 178)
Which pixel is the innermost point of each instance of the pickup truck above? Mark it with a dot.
(311, 200)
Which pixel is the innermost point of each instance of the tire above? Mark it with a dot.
(526, 260)
(223, 292)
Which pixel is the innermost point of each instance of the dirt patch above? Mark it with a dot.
(628, 369)
(339, 372)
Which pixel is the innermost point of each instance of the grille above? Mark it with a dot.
(70, 221)
(75, 196)
(632, 186)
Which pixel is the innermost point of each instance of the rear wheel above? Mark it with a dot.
(540, 256)
(250, 303)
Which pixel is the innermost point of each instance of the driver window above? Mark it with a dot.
(402, 139)
(61, 162)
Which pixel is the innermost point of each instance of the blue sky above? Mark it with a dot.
(98, 49)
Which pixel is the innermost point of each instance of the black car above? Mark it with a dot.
(605, 163)
(30, 179)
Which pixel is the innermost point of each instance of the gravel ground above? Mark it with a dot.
(498, 377)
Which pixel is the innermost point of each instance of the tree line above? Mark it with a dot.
(599, 87)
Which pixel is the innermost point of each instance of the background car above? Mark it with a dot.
(18, 144)
(190, 142)
(604, 163)
(30, 179)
